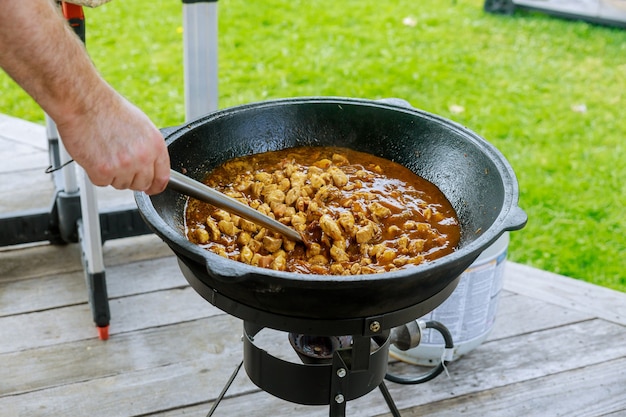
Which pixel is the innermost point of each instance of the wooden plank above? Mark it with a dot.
(517, 315)
(15, 156)
(23, 132)
(244, 387)
(45, 260)
(523, 358)
(501, 363)
(567, 292)
(574, 393)
(168, 267)
(74, 323)
(214, 339)
(31, 189)
(563, 337)
(59, 290)
(129, 394)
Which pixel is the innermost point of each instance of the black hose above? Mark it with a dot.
(447, 337)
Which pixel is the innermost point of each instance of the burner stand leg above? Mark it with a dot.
(220, 397)
(390, 403)
(338, 386)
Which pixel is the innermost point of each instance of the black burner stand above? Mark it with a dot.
(351, 373)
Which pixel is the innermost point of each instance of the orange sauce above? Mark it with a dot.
(413, 221)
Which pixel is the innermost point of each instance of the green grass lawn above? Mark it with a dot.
(549, 93)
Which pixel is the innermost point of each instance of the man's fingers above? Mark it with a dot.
(121, 183)
(161, 175)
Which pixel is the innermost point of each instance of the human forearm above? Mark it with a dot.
(114, 141)
(43, 56)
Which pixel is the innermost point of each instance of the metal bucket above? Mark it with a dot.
(469, 313)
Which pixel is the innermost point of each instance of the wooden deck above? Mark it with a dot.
(558, 346)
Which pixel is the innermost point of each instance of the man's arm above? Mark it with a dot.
(110, 138)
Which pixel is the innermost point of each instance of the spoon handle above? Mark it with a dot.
(188, 186)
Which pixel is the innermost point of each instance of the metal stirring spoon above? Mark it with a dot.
(188, 186)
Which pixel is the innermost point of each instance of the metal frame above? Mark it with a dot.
(200, 57)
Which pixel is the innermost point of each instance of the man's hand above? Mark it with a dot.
(117, 145)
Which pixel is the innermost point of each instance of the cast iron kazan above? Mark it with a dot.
(472, 173)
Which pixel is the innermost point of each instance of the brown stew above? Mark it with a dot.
(358, 213)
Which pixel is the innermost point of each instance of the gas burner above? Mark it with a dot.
(318, 349)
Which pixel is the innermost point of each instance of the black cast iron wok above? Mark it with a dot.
(473, 175)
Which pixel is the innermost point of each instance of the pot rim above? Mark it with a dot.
(511, 217)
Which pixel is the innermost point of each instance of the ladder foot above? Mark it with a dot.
(103, 332)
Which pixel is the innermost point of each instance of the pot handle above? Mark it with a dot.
(225, 271)
(400, 102)
(516, 219)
